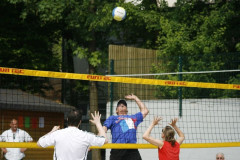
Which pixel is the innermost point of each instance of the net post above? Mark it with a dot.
(180, 88)
(64, 65)
(111, 86)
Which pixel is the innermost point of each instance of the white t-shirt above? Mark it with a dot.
(71, 143)
(18, 136)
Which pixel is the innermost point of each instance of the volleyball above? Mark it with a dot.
(119, 13)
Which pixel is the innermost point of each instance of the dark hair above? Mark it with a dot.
(169, 134)
(13, 120)
(122, 101)
(74, 117)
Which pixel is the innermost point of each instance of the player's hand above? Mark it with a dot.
(4, 150)
(173, 122)
(156, 120)
(96, 118)
(23, 150)
(55, 128)
(131, 97)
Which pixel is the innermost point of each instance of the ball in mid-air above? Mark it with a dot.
(119, 13)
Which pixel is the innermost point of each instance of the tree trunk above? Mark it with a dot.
(96, 154)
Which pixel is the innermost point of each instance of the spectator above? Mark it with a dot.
(220, 156)
(14, 134)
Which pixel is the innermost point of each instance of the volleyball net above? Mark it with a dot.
(209, 113)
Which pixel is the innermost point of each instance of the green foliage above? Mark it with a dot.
(238, 47)
(233, 93)
(25, 44)
(198, 32)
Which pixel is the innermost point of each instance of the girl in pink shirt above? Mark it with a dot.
(168, 147)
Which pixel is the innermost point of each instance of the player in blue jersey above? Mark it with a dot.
(123, 128)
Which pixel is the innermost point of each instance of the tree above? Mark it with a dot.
(200, 32)
(85, 28)
(26, 44)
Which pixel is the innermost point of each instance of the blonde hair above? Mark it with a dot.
(169, 134)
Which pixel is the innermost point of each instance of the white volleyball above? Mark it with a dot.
(119, 13)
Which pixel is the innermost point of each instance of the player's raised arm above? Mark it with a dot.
(96, 120)
(179, 132)
(147, 137)
(55, 128)
(140, 104)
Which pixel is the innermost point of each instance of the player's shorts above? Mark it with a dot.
(125, 154)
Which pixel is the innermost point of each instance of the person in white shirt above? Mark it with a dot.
(14, 134)
(72, 143)
(1, 152)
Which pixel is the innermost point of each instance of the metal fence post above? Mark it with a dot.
(111, 87)
(180, 88)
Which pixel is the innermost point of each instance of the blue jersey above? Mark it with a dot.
(123, 127)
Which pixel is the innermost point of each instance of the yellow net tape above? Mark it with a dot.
(37, 73)
(125, 146)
